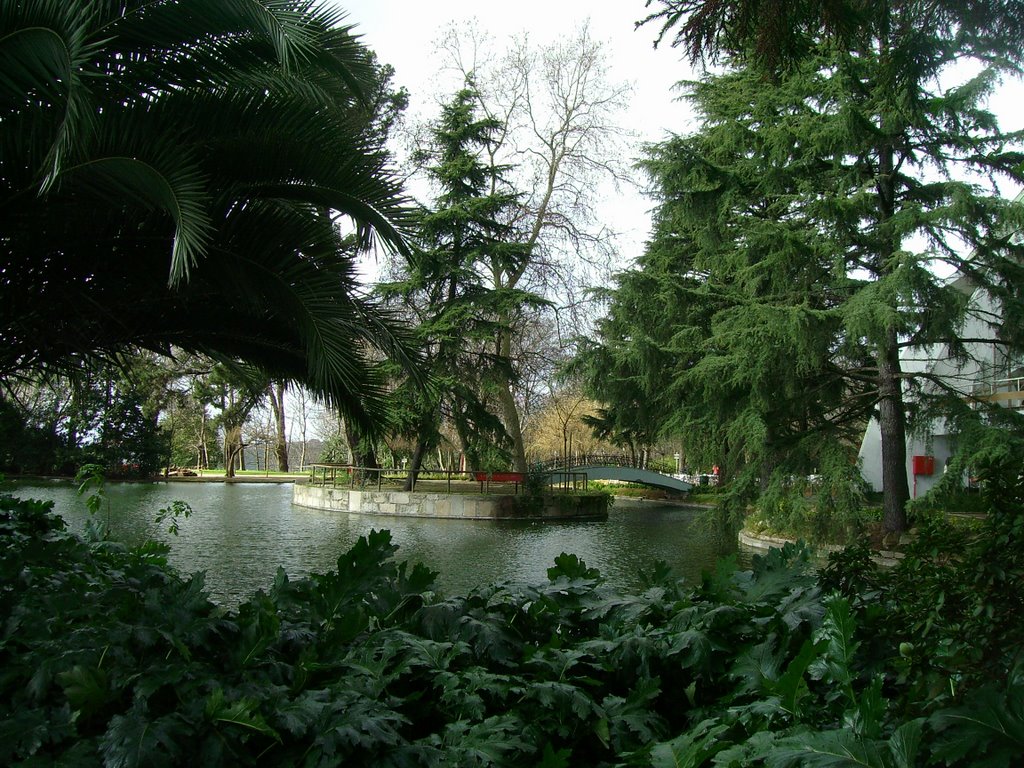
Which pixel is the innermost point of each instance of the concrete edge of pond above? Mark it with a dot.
(459, 506)
(683, 503)
(763, 542)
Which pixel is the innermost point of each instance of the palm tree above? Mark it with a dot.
(196, 174)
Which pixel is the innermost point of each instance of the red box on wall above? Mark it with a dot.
(924, 465)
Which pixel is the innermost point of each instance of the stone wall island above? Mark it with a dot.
(463, 506)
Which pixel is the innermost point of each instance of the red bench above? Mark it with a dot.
(498, 477)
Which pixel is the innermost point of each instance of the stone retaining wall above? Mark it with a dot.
(444, 505)
(763, 542)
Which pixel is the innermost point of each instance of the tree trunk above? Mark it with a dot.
(170, 449)
(363, 453)
(415, 464)
(469, 458)
(509, 411)
(891, 412)
(425, 434)
(275, 392)
(510, 415)
(232, 449)
(302, 427)
(203, 454)
(892, 422)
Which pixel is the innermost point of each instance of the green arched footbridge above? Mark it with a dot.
(613, 468)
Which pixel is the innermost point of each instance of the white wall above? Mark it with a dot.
(934, 439)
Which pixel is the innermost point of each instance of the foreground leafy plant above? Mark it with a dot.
(109, 657)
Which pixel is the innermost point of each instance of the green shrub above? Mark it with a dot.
(536, 481)
(826, 509)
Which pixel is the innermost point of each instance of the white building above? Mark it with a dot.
(986, 375)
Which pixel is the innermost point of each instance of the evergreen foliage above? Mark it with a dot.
(446, 288)
(103, 413)
(794, 251)
(775, 34)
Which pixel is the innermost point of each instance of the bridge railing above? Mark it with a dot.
(609, 460)
(351, 475)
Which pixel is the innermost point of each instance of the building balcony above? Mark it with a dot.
(1007, 392)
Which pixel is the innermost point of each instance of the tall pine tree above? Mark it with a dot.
(811, 212)
(446, 290)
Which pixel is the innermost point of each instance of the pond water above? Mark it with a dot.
(239, 533)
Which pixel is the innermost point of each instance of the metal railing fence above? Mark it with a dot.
(341, 475)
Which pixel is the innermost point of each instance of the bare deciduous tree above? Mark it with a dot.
(562, 142)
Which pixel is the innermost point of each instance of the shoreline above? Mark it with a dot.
(763, 543)
(669, 502)
(291, 477)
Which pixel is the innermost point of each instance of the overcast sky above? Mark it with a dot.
(404, 33)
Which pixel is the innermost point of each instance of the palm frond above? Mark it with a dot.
(171, 173)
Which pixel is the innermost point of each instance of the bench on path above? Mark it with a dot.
(498, 477)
